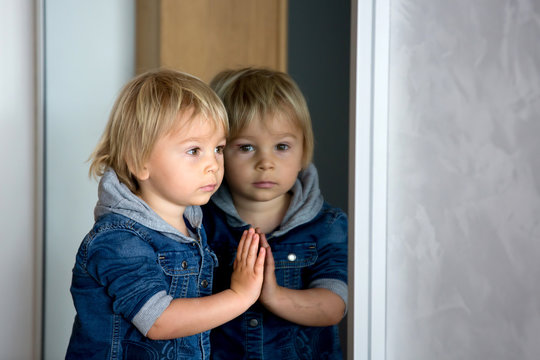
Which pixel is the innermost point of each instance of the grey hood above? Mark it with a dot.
(306, 202)
(115, 197)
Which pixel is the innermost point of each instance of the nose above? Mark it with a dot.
(265, 162)
(213, 163)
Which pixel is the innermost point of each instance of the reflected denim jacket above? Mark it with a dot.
(310, 255)
(119, 267)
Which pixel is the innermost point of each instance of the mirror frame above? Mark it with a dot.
(368, 150)
(368, 154)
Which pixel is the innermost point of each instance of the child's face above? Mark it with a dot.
(263, 161)
(185, 166)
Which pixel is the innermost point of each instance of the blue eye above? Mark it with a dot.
(194, 151)
(246, 148)
(282, 147)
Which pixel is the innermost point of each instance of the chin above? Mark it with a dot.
(200, 202)
(266, 197)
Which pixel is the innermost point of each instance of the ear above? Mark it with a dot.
(140, 174)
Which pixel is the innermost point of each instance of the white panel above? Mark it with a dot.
(369, 119)
(17, 191)
(89, 55)
(464, 180)
(379, 179)
(359, 210)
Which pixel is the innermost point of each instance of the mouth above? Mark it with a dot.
(209, 187)
(264, 184)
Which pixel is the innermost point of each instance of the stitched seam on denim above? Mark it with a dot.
(334, 216)
(170, 269)
(115, 337)
(128, 225)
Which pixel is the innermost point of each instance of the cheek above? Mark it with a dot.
(221, 169)
(295, 161)
(300, 160)
(233, 164)
(221, 162)
(234, 174)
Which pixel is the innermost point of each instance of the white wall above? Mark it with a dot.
(464, 180)
(17, 191)
(89, 55)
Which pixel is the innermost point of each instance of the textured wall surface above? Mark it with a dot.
(464, 180)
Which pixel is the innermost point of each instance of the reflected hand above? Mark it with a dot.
(270, 287)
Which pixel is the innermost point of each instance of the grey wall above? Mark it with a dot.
(89, 52)
(17, 198)
(464, 180)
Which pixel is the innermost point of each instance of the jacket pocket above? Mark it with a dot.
(182, 269)
(290, 261)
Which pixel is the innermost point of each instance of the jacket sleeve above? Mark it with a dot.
(330, 269)
(125, 265)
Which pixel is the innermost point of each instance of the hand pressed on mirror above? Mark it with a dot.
(308, 307)
(184, 316)
(270, 287)
(247, 275)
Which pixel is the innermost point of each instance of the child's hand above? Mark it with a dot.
(270, 286)
(247, 276)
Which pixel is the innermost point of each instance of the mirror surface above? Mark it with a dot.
(89, 55)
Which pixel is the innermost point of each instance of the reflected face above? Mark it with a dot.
(185, 167)
(262, 162)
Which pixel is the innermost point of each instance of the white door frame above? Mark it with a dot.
(366, 339)
(370, 40)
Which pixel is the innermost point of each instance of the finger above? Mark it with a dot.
(259, 264)
(264, 242)
(247, 244)
(241, 245)
(254, 247)
(269, 256)
(269, 267)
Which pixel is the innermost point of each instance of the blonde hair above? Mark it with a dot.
(253, 93)
(146, 109)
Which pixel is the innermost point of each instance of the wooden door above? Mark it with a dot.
(203, 37)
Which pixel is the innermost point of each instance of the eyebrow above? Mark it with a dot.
(272, 135)
(195, 139)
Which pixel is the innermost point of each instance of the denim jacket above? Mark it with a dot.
(310, 250)
(128, 269)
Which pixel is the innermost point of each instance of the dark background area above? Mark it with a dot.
(319, 58)
(319, 61)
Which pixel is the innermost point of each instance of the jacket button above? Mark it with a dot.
(184, 264)
(291, 257)
(253, 322)
(204, 283)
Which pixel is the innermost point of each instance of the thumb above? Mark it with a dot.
(269, 264)
(263, 241)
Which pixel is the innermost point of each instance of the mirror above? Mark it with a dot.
(89, 55)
